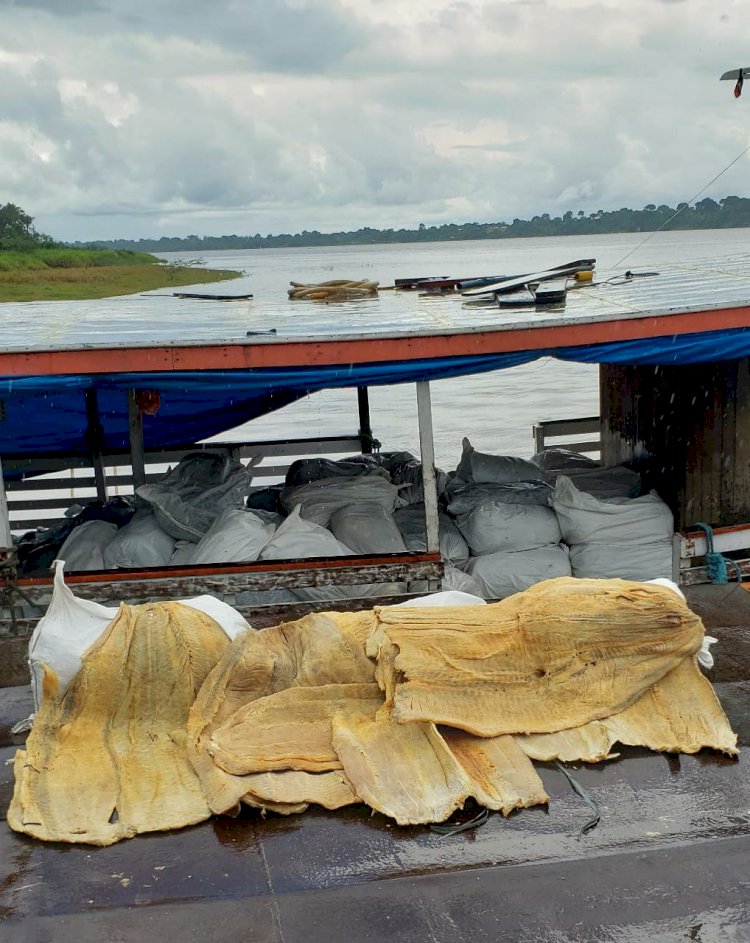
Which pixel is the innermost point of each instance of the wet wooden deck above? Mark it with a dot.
(667, 862)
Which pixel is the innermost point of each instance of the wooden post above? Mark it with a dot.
(427, 453)
(6, 540)
(137, 455)
(94, 440)
(365, 428)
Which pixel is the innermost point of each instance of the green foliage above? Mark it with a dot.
(733, 212)
(17, 231)
(54, 258)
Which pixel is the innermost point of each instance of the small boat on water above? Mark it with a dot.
(209, 297)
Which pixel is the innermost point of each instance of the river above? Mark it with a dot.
(496, 410)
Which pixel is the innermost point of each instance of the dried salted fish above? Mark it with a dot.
(107, 759)
(561, 654)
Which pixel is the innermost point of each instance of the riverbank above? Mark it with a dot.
(66, 274)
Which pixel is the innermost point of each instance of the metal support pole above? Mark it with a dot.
(427, 453)
(365, 427)
(94, 440)
(6, 540)
(137, 454)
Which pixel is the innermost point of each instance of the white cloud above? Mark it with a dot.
(270, 116)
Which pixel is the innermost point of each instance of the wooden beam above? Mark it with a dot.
(95, 440)
(137, 454)
(365, 426)
(348, 350)
(427, 454)
(5, 536)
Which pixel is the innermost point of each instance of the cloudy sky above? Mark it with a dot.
(169, 117)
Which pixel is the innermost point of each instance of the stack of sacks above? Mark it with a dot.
(500, 504)
(453, 549)
(353, 514)
(299, 538)
(406, 473)
(410, 710)
(588, 475)
(173, 516)
(188, 499)
(629, 538)
(319, 500)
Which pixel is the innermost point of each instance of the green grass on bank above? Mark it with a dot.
(60, 274)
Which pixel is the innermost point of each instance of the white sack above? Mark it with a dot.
(319, 500)
(183, 553)
(495, 527)
(84, 547)
(638, 560)
(227, 616)
(480, 467)
(502, 574)
(189, 516)
(298, 538)
(141, 542)
(411, 522)
(236, 536)
(586, 519)
(450, 597)
(454, 580)
(69, 626)
(367, 528)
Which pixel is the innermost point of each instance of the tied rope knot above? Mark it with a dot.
(716, 563)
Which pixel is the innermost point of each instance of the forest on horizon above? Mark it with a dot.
(731, 212)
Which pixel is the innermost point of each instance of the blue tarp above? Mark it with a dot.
(44, 415)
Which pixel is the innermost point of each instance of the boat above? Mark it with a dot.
(663, 862)
(202, 296)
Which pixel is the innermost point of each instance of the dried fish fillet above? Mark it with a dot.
(291, 788)
(311, 651)
(561, 654)
(405, 771)
(107, 759)
(590, 743)
(289, 730)
(501, 774)
(679, 714)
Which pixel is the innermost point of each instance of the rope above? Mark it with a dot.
(338, 289)
(716, 563)
(682, 209)
(579, 790)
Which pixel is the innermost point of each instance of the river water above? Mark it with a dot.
(495, 410)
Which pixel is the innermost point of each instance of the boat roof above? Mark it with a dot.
(172, 333)
(213, 366)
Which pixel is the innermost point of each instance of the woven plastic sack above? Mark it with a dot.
(236, 536)
(411, 523)
(367, 528)
(319, 500)
(502, 574)
(495, 527)
(84, 547)
(478, 467)
(140, 543)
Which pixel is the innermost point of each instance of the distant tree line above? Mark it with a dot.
(729, 213)
(17, 232)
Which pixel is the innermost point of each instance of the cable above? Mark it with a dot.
(677, 212)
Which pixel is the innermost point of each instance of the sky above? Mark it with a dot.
(152, 118)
